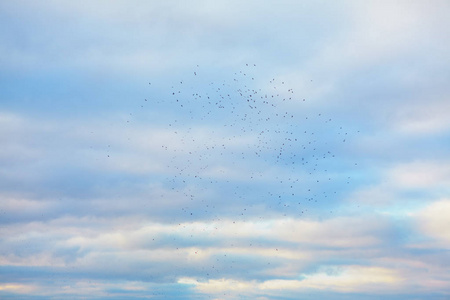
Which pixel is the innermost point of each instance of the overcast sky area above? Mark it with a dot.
(225, 150)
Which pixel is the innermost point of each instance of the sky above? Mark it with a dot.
(224, 150)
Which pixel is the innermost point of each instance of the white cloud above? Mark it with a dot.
(434, 221)
(13, 205)
(131, 241)
(423, 118)
(109, 145)
(218, 285)
(18, 288)
(428, 176)
(118, 245)
(349, 279)
(420, 174)
(381, 32)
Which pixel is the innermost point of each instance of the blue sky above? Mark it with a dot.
(224, 150)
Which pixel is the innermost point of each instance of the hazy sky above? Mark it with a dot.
(224, 150)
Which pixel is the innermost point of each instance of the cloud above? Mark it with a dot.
(405, 182)
(422, 119)
(420, 174)
(434, 222)
(355, 279)
(157, 168)
(153, 37)
(272, 257)
(348, 279)
(106, 195)
(17, 288)
(85, 244)
(381, 33)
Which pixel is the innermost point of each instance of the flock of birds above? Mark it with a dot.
(241, 146)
